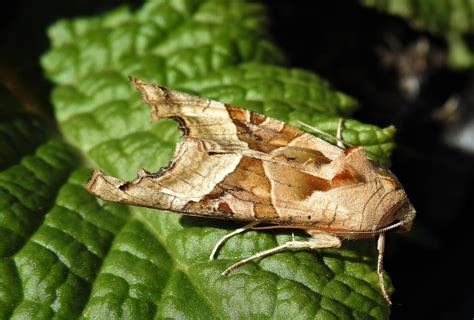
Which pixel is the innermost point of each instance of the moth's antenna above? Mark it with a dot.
(340, 141)
(391, 227)
(339, 133)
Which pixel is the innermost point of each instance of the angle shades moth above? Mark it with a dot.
(240, 165)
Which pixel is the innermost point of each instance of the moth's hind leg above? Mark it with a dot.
(230, 235)
(317, 241)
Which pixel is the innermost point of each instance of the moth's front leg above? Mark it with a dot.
(317, 241)
(381, 250)
(230, 235)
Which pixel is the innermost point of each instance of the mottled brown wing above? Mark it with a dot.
(222, 128)
(236, 164)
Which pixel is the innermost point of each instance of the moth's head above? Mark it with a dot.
(398, 210)
(398, 213)
(400, 218)
(375, 194)
(406, 215)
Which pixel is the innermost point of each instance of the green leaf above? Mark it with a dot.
(27, 193)
(28, 189)
(452, 19)
(20, 133)
(77, 256)
(54, 270)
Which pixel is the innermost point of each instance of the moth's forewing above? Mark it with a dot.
(240, 165)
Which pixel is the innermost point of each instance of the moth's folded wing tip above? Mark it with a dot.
(93, 179)
(104, 187)
(152, 93)
(137, 83)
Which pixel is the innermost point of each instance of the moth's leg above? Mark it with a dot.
(381, 249)
(317, 241)
(230, 235)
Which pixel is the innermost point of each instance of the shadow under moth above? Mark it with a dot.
(240, 165)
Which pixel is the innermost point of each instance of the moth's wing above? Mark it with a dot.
(189, 177)
(233, 164)
(217, 185)
(225, 128)
(230, 186)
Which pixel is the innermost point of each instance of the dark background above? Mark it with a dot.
(430, 267)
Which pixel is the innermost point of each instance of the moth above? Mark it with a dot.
(240, 165)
